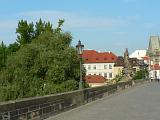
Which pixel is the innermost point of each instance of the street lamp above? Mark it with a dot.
(80, 48)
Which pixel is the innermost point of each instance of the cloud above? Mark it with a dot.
(74, 20)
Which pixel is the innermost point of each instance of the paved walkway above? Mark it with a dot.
(139, 103)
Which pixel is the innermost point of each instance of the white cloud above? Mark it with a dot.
(74, 20)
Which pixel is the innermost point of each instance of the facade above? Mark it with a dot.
(155, 71)
(99, 63)
(153, 53)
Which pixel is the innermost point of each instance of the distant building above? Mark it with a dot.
(119, 65)
(139, 54)
(154, 56)
(95, 80)
(154, 50)
(99, 63)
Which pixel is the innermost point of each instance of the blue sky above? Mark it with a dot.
(103, 25)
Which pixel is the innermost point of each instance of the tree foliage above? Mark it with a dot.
(44, 63)
(141, 74)
(3, 55)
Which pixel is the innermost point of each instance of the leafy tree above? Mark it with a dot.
(49, 64)
(12, 48)
(3, 55)
(25, 32)
(141, 74)
(60, 24)
(41, 27)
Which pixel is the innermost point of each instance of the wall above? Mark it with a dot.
(118, 70)
(45, 106)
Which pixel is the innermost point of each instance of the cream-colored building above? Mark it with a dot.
(99, 63)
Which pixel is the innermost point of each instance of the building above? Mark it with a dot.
(119, 65)
(153, 53)
(139, 54)
(154, 50)
(95, 80)
(99, 63)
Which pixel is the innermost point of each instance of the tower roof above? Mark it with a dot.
(154, 43)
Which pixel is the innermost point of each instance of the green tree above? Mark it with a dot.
(12, 48)
(49, 64)
(25, 32)
(3, 55)
(41, 27)
(141, 74)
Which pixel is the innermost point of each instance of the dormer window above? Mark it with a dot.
(97, 58)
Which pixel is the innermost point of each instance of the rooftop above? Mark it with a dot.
(92, 56)
(95, 79)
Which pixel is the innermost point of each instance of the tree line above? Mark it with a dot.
(41, 61)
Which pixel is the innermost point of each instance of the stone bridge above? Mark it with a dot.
(138, 103)
(122, 101)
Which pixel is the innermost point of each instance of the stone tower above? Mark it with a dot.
(154, 49)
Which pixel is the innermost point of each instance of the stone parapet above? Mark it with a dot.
(38, 108)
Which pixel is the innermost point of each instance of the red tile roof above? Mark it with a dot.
(155, 67)
(145, 58)
(92, 56)
(95, 79)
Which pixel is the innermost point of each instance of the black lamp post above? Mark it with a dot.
(80, 48)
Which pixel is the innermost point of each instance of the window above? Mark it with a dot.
(84, 66)
(94, 67)
(100, 74)
(105, 75)
(89, 67)
(105, 66)
(110, 75)
(156, 60)
(110, 66)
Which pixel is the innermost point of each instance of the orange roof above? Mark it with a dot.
(155, 67)
(95, 79)
(146, 58)
(92, 56)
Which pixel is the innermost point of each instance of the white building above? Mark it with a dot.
(139, 54)
(99, 63)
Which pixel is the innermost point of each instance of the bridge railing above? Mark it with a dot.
(49, 105)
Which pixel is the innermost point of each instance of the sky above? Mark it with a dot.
(102, 25)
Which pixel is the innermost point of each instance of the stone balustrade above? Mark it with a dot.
(37, 108)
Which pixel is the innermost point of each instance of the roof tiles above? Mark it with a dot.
(92, 56)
